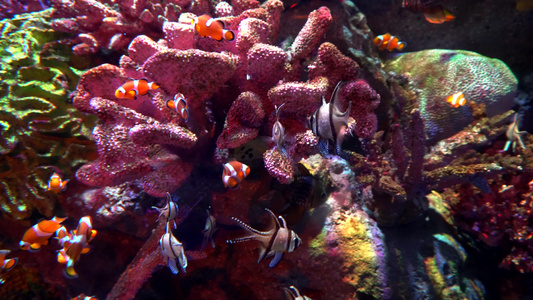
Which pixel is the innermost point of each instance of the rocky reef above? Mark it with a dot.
(417, 187)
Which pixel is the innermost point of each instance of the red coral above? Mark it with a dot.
(301, 98)
(279, 165)
(245, 116)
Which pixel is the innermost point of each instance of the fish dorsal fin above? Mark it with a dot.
(221, 24)
(282, 222)
(278, 109)
(277, 224)
(335, 92)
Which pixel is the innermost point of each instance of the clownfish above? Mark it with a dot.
(39, 234)
(234, 173)
(132, 88)
(207, 26)
(170, 211)
(388, 42)
(6, 264)
(328, 123)
(292, 293)
(276, 241)
(457, 99)
(63, 236)
(433, 12)
(56, 184)
(173, 250)
(179, 104)
(78, 245)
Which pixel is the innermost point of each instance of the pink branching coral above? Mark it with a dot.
(231, 89)
(102, 25)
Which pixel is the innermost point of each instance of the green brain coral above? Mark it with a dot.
(40, 131)
(436, 74)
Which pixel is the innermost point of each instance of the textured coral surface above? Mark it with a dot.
(41, 132)
(437, 74)
(420, 202)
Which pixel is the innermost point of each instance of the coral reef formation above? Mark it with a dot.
(436, 74)
(39, 127)
(366, 216)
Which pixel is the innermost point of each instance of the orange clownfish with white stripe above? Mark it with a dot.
(388, 42)
(457, 99)
(207, 26)
(56, 184)
(39, 234)
(77, 246)
(179, 104)
(132, 88)
(234, 173)
(6, 264)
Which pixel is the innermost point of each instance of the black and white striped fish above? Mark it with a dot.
(170, 211)
(292, 293)
(278, 131)
(328, 123)
(173, 250)
(274, 242)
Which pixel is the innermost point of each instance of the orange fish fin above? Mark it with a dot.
(35, 246)
(221, 23)
(86, 250)
(70, 272)
(10, 263)
(448, 16)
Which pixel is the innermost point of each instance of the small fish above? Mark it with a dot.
(388, 42)
(56, 184)
(292, 293)
(76, 246)
(170, 211)
(179, 104)
(234, 173)
(278, 131)
(173, 250)
(457, 99)
(209, 230)
(132, 88)
(207, 26)
(433, 12)
(276, 241)
(84, 297)
(514, 136)
(63, 236)
(39, 234)
(328, 123)
(6, 264)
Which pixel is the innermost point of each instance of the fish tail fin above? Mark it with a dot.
(9, 264)
(448, 16)
(69, 271)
